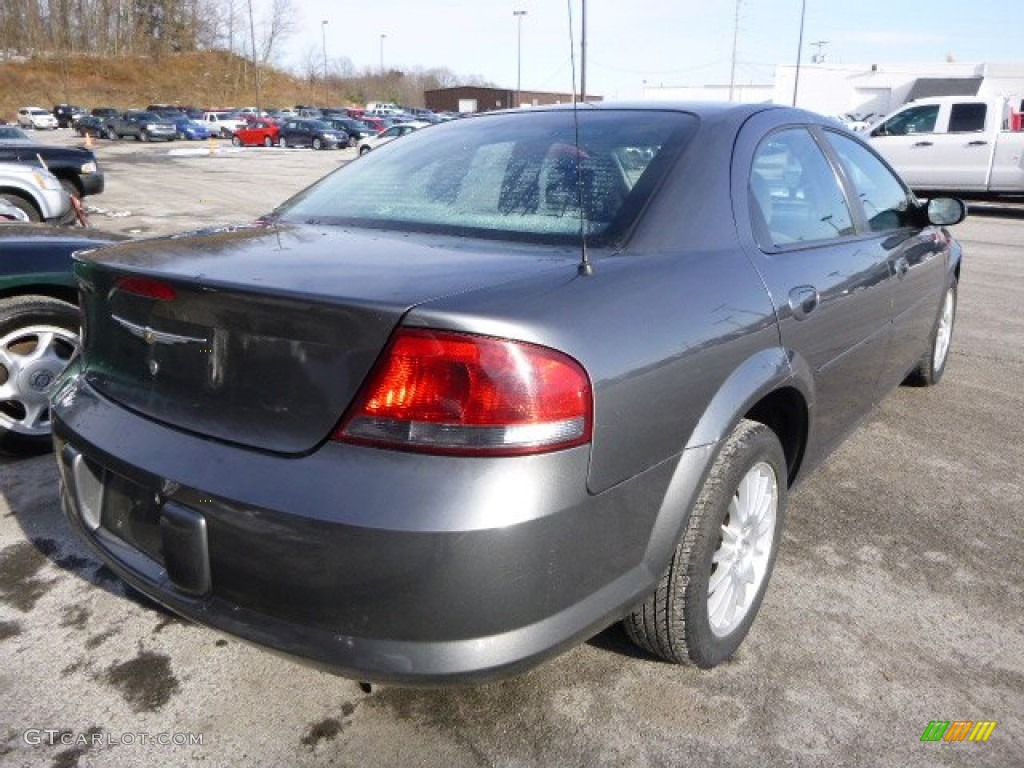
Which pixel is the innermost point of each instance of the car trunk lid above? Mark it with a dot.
(263, 335)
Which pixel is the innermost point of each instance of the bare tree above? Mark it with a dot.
(279, 25)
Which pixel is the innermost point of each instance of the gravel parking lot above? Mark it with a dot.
(897, 599)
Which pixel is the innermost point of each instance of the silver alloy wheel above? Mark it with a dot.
(32, 358)
(740, 563)
(944, 333)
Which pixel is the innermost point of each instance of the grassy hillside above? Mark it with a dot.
(212, 78)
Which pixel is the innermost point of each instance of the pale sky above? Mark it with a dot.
(662, 42)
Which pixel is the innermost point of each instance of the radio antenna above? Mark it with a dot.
(585, 268)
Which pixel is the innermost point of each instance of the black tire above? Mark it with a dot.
(21, 203)
(930, 368)
(20, 318)
(236, 141)
(267, 141)
(282, 143)
(112, 134)
(317, 144)
(143, 136)
(674, 621)
(363, 150)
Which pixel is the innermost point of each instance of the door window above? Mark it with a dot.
(795, 192)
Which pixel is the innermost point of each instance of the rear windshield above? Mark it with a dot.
(510, 176)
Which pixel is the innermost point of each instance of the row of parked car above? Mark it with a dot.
(300, 127)
(41, 182)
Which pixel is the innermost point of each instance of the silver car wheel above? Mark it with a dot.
(740, 563)
(31, 359)
(944, 332)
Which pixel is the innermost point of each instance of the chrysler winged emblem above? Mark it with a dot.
(152, 336)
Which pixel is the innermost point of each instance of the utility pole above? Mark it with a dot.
(323, 37)
(799, 49)
(519, 57)
(255, 64)
(735, 41)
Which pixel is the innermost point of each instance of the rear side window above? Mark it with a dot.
(518, 176)
(887, 204)
(795, 192)
(967, 118)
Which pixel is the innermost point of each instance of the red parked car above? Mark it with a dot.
(376, 123)
(259, 132)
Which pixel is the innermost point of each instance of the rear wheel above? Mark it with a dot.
(235, 141)
(708, 598)
(24, 205)
(282, 143)
(112, 134)
(267, 141)
(317, 144)
(363, 150)
(143, 136)
(930, 368)
(38, 336)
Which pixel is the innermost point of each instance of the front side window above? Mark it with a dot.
(887, 204)
(913, 120)
(795, 191)
(518, 176)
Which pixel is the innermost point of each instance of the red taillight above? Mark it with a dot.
(146, 287)
(443, 392)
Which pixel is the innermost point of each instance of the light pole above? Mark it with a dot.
(519, 57)
(799, 49)
(382, 54)
(323, 36)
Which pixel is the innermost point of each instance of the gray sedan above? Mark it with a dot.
(496, 386)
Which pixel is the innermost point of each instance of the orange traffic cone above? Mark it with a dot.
(88, 140)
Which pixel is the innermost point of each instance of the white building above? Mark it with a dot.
(862, 91)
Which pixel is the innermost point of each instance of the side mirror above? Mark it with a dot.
(946, 211)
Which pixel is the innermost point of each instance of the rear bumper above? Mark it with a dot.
(380, 565)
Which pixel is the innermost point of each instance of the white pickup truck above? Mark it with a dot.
(954, 144)
(222, 124)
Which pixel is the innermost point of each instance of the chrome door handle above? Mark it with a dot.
(978, 143)
(923, 144)
(803, 300)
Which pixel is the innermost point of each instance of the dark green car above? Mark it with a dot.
(39, 325)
